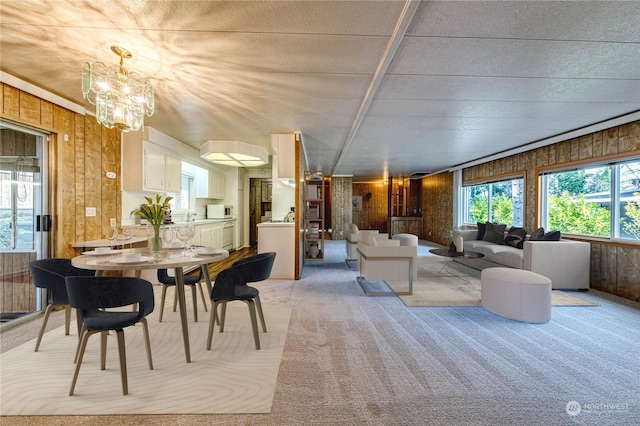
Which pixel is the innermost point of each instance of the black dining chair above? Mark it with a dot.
(192, 281)
(49, 274)
(93, 296)
(231, 284)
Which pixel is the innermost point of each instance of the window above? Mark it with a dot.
(596, 200)
(186, 200)
(498, 202)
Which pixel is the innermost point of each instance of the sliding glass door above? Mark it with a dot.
(23, 219)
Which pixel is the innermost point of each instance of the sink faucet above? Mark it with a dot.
(191, 216)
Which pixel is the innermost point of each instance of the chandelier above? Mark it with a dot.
(121, 98)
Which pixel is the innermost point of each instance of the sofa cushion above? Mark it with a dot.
(494, 233)
(515, 237)
(537, 235)
(482, 228)
(369, 239)
(502, 254)
(552, 236)
(353, 228)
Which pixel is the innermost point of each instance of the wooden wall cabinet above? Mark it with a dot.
(406, 225)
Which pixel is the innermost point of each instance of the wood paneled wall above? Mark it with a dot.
(81, 151)
(374, 212)
(437, 207)
(615, 267)
(341, 213)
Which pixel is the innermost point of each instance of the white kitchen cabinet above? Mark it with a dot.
(216, 235)
(210, 183)
(205, 235)
(148, 167)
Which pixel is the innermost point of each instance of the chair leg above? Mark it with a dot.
(123, 361)
(147, 342)
(67, 319)
(81, 336)
(79, 322)
(212, 323)
(47, 312)
(260, 314)
(81, 349)
(103, 349)
(223, 314)
(162, 299)
(175, 299)
(194, 298)
(204, 299)
(254, 322)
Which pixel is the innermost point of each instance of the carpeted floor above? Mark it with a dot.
(349, 359)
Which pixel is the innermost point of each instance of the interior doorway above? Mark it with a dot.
(24, 222)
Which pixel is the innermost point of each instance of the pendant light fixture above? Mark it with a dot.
(122, 98)
(234, 153)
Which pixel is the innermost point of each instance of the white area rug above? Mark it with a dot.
(442, 282)
(232, 377)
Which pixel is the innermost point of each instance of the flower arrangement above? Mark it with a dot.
(153, 212)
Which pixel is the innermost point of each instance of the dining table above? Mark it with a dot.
(177, 261)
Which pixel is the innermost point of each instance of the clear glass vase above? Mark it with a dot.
(156, 244)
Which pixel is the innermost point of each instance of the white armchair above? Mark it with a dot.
(386, 260)
(353, 235)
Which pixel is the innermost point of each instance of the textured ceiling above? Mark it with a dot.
(374, 87)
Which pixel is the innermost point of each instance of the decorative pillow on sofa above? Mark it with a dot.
(494, 233)
(551, 236)
(515, 237)
(353, 228)
(482, 228)
(537, 235)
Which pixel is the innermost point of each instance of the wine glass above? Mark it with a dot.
(167, 235)
(185, 236)
(126, 236)
(111, 233)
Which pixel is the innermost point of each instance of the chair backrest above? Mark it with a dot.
(256, 268)
(50, 274)
(248, 270)
(92, 293)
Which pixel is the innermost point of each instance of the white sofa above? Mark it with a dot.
(566, 263)
(387, 260)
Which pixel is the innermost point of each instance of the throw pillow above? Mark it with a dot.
(494, 233)
(551, 236)
(515, 237)
(537, 235)
(353, 228)
(482, 228)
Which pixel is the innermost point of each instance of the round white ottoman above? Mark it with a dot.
(516, 294)
(406, 239)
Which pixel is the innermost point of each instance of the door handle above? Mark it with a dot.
(46, 223)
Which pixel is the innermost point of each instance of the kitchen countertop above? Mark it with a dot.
(275, 224)
(195, 222)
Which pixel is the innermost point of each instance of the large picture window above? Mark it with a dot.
(497, 202)
(599, 201)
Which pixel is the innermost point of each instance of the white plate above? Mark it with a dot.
(104, 253)
(143, 259)
(208, 250)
